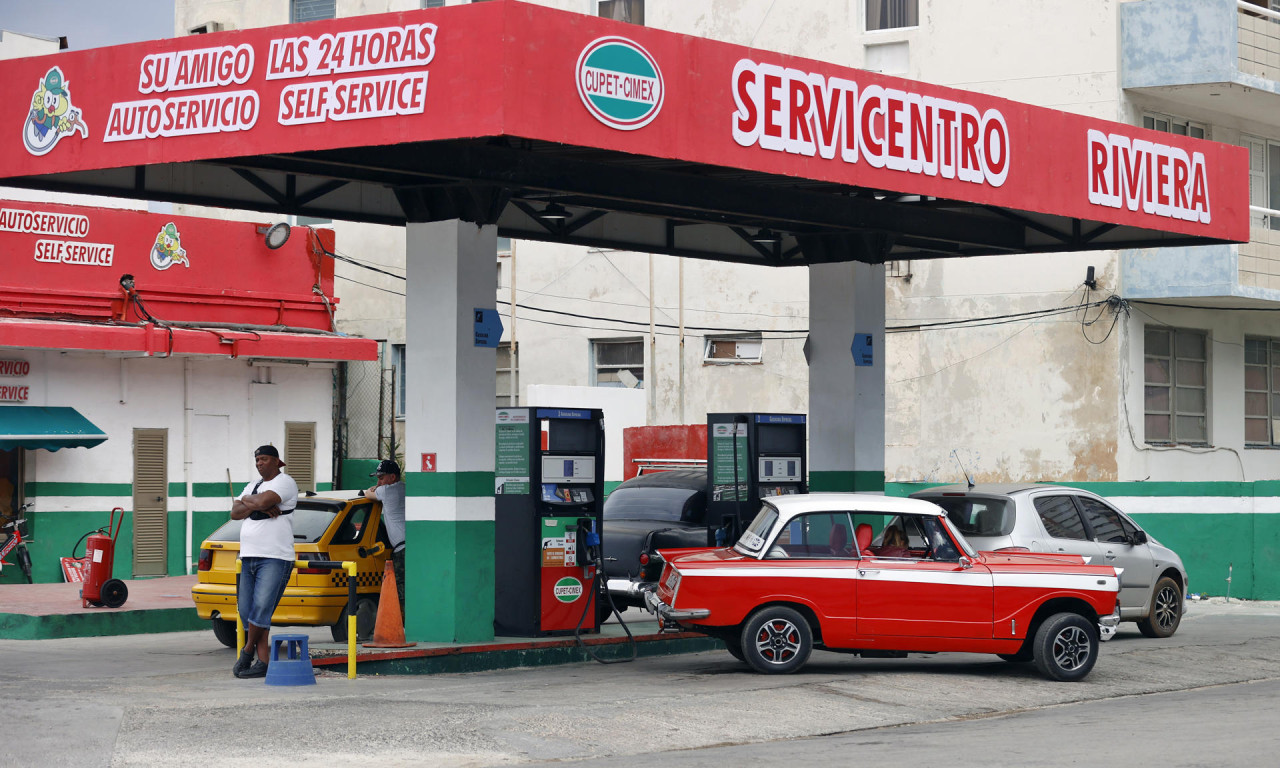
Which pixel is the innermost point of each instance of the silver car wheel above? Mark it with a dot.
(778, 641)
(1071, 648)
(1166, 608)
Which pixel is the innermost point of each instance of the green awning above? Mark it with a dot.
(50, 428)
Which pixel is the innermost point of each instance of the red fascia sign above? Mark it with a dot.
(69, 261)
(508, 68)
(14, 392)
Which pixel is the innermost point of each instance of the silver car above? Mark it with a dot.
(1051, 518)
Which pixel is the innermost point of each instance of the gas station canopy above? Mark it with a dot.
(570, 128)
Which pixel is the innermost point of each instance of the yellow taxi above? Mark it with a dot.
(330, 526)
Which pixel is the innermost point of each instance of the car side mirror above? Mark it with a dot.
(1139, 537)
(965, 563)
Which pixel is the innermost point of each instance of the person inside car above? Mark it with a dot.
(894, 544)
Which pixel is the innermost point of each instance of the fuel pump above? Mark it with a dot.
(751, 456)
(548, 501)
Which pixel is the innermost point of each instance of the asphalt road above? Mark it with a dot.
(1204, 697)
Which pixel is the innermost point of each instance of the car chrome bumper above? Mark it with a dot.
(1107, 626)
(627, 588)
(665, 613)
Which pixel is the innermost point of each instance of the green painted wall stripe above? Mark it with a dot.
(848, 480)
(449, 581)
(448, 484)
(79, 489)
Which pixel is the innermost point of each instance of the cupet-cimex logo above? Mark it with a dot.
(620, 83)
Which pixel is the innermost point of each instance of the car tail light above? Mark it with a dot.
(644, 558)
(313, 556)
(206, 560)
(1013, 549)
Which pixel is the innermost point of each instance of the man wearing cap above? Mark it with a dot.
(390, 491)
(266, 555)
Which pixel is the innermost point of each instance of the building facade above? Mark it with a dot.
(143, 356)
(1152, 377)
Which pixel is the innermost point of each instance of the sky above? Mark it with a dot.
(90, 23)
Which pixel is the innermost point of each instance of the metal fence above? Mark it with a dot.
(365, 421)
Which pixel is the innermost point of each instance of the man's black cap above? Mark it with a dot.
(386, 467)
(267, 450)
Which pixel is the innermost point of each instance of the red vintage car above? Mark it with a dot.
(883, 577)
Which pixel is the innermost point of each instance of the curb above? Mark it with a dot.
(22, 626)
(492, 656)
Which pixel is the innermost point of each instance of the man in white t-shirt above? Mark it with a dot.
(266, 555)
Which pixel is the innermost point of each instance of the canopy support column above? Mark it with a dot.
(846, 400)
(449, 427)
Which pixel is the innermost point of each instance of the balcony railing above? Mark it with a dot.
(1260, 257)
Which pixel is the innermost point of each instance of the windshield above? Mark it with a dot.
(648, 504)
(752, 539)
(310, 520)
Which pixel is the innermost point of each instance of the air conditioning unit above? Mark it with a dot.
(205, 28)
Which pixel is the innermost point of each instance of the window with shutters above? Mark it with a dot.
(1261, 391)
(1177, 386)
(300, 453)
(150, 502)
(1264, 180)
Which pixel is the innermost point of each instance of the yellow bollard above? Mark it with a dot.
(239, 624)
(350, 567)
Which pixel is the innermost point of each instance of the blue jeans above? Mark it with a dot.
(262, 583)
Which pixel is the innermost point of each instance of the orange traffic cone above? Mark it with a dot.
(389, 631)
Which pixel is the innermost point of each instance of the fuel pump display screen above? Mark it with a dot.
(568, 469)
(781, 469)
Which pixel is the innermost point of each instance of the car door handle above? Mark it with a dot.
(868, 571)
(1111, 555)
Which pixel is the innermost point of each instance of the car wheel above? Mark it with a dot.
(225, 631)
(776, 640)
(366, 620)
(1065, 647)
(1166, 610)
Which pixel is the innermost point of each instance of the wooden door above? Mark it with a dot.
(150, 502)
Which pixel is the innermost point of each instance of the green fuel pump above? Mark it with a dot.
(548, 498)
(751, 456)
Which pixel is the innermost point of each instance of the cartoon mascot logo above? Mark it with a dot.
(168, 249)
(52, 115)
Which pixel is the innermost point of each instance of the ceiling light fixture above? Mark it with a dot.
(766, 236)
(554, 212)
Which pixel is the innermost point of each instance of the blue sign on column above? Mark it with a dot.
(862, 354)
(488, 328)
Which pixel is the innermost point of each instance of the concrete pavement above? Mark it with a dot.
(170, 700)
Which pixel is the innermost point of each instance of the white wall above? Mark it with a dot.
(120, 394)
(622, 408)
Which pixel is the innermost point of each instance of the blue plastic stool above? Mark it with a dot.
(294, 666)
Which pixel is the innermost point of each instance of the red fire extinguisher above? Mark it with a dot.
(100, 550)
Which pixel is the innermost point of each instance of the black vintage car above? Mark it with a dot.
(662, 510)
